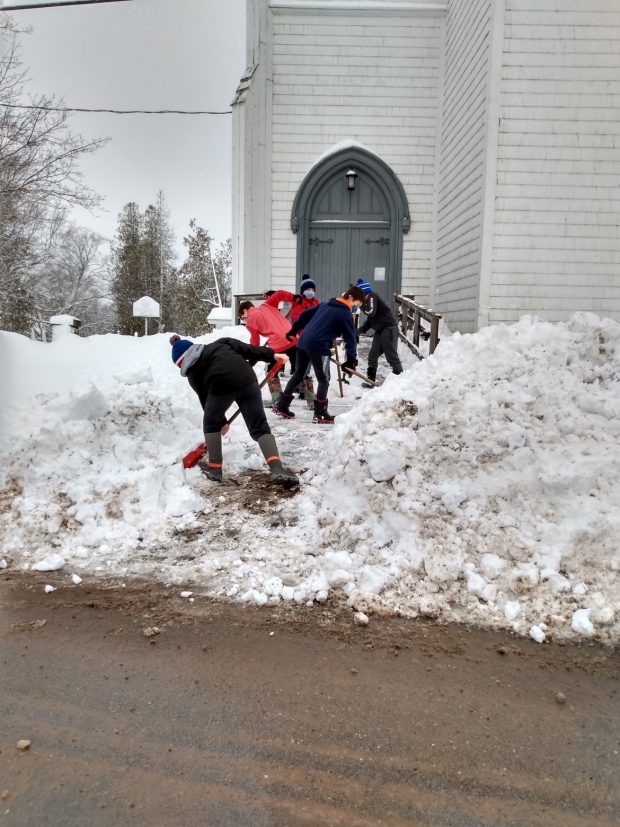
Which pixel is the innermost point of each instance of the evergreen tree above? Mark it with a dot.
(127, 282)
(158, 255)
(142, 263)
(196, 291)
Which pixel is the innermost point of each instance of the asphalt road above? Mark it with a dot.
(231, 716)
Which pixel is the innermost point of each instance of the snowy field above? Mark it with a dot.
(480, 486)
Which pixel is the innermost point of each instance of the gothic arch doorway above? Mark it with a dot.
(350, 214)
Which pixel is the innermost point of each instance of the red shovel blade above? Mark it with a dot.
(190, 459)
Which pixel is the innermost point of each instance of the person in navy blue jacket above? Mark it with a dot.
(321, 325)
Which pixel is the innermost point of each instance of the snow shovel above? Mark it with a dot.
(336, 360)
(192, 457)
(359, 375)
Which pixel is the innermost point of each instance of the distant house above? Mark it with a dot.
(465, 151)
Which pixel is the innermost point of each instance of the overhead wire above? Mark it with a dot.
(118, 111)
(44, 5)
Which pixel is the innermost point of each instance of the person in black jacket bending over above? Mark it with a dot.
(321, 325)
(379, 318)
(221, 373)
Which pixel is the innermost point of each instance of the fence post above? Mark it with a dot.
(434, 340)
(416, 327)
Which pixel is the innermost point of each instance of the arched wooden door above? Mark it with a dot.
(351, 226)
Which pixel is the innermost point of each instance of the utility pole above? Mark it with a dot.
(217, 286)
(161, 267)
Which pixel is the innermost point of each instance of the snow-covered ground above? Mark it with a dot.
(479, 486)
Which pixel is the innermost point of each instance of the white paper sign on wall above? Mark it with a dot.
(379, 273)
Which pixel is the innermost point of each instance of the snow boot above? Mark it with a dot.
(282, 406)
(279, 474)
(212, 468)
(371, 373)
(321, 415)
(309, 392)
(275, 390)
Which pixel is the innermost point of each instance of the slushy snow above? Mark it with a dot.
(479, 486)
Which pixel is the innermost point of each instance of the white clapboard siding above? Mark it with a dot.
(368, 78)
(462, 148)
(556, 246)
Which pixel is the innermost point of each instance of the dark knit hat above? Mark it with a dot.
(307, 284)
(364, 286)
(179, 346)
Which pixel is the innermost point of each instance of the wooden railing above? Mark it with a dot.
(410, 316)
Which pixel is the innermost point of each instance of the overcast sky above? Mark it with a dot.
(147, 54)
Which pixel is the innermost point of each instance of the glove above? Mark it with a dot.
(290, 335)
(297, 299)
(349, 363)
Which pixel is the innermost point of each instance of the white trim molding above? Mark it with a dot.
(490, 175)
(361, 6)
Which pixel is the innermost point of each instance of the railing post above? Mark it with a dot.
(416, 327)
(434, 340)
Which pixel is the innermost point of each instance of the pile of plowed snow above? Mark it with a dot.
(482, 485)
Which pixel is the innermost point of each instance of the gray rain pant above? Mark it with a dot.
(385, 342)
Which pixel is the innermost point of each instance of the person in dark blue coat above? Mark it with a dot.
(321, 325)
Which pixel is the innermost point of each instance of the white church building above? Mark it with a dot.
(466, 152)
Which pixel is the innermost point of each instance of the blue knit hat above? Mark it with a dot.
(179, 346)
(307, 284)
(364, 286)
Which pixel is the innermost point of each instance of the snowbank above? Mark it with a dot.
(479, 486)
(482, 485)
(92, 433)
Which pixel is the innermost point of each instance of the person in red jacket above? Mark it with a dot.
(267, 321)
(299, 302)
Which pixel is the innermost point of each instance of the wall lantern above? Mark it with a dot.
(351, 177)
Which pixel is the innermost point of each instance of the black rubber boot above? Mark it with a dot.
(279, 473)
(282, 406)
(321, 414)
(212, 468)
(371, 373)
